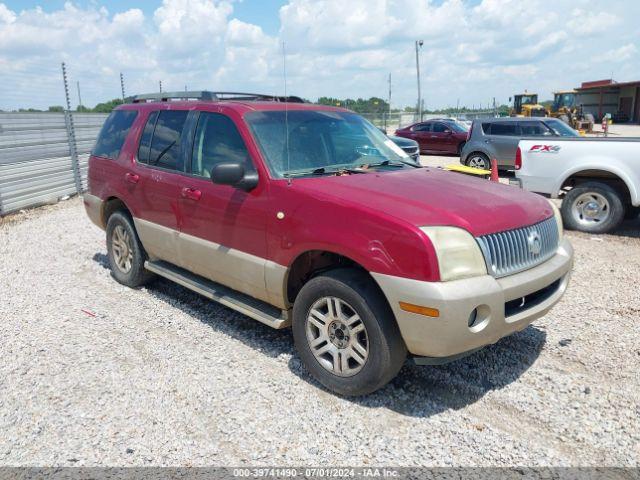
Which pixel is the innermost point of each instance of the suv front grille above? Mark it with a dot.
(516, 250)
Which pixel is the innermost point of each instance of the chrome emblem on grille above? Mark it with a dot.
(534, 243)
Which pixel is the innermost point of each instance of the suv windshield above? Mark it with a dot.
(321, 142)
(561, 128)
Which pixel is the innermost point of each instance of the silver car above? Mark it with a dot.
(498, 138)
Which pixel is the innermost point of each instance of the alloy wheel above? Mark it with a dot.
(122, 248)
(477, 162)
(337, 336)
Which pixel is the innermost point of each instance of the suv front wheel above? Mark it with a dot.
(346, 334)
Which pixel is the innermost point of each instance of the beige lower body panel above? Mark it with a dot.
(449, 334)
(93, 206)
(246, 273)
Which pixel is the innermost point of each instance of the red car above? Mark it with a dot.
(436, 136)
(308, 216)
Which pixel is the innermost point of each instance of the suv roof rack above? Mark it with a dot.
(211, 96)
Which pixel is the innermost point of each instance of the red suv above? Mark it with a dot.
(308, 216)
(437, 136)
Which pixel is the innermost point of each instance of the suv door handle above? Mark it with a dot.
(191, 193)
(487, 141)
(131, 177)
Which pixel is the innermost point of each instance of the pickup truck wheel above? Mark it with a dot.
(125, 252)
(479, 160)
(592, 207)
(346, 334)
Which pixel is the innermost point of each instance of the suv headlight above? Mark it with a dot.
(458, 253)
(558, 217)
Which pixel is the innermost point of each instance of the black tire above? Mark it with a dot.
(616, 210)
(481, 157)
(460, 147)
(631, 212)
(386, 349)
(136, 275)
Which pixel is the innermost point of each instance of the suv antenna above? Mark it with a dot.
(286, 113)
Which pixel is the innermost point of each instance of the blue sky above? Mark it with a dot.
(260, 12)
(474, 50)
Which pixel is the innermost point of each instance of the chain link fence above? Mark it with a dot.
(43, 156)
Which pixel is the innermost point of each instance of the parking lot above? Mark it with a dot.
(95, 373)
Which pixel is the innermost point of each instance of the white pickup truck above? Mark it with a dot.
(597, 179)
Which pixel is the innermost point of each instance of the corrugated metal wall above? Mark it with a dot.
(35, 162)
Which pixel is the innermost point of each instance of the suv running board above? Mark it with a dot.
(249, 306)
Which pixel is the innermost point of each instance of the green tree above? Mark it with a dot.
(106, 107)
(55, 108)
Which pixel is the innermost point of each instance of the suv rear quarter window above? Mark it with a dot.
(113, 134)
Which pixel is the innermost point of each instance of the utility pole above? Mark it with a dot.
(419, 44)
(79, 97)
(122, 86)
(457, 108)
(160, 83)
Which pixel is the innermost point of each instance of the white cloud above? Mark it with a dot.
(335, 47)
(621, 54)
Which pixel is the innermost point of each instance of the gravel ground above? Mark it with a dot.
(94, 373)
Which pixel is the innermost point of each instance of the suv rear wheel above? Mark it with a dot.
(346, 334)
(125, 252)
(592, 207)
(479, 160)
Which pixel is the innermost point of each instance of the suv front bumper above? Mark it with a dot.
(504, 305)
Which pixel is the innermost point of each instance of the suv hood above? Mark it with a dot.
(429, 196)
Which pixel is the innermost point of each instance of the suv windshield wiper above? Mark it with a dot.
(389, 163)
(324, 171)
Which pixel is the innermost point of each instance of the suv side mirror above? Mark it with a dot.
(233, 173)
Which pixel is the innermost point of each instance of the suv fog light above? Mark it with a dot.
(479, 318)
(473, 317)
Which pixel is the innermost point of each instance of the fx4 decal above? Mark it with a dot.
(545, 148)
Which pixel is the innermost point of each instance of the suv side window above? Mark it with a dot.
(422, 127)
(439, 128)
(164, 150)
(113, 133)
(145, 140)
(217, 140)
(504, 128)
(535, 129)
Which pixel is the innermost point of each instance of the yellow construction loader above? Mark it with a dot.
(564, 107)
(526, 105)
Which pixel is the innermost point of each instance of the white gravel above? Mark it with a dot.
(161, 376)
